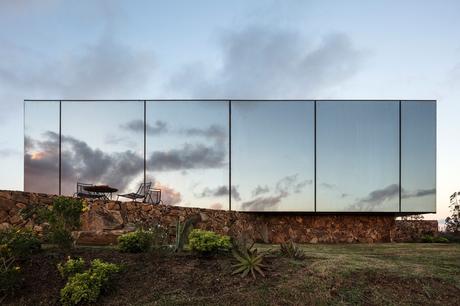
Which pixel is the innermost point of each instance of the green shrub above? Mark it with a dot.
(441, 240)
(208, 242)
(135, 242)
(10, 272)
(20, 242)
(86, 287)
(71, 267)
(427, 239)
(63, 218)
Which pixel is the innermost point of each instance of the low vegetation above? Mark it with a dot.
(208, 242)
(291, 250)
(86, 287)
(249, 261)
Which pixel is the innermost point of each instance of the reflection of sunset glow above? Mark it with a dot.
(37, 155)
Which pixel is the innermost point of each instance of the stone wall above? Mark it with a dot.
(413, 230)
(105, 220)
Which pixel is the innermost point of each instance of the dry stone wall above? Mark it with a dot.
(106, 220)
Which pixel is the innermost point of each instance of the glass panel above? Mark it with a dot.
(187, 152)
(418, 156)
(41, 147)
(273, 155)
(357, 156)
(102, 143)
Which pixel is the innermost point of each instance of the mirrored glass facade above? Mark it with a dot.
(271, 156)
(102, 143)
(41, 146)
(418, 156)
(187, 152)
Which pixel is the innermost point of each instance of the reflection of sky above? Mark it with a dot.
(272, 152)
(357, 153)
(418, 153)
(272, 143)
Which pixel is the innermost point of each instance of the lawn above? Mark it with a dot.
(345, 274)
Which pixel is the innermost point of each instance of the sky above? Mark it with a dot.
(216, 49)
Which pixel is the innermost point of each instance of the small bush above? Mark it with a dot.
(86, 287)
(427, 239)
(20, 242)
(208, 242)
(431, 239)
(136, 242)
(71, 267)
(10, 272)
(63, 218)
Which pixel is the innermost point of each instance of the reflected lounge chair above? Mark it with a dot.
(154, 196)
(82, 193)
(141, 193)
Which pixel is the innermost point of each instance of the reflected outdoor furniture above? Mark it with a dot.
(154, 196)
(82, 192)
(141, 193)
(102, 190)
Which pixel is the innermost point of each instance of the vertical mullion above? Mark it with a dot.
(60, 145)
(314, 150)
(229, 154)
(145, 140)
(400, 187)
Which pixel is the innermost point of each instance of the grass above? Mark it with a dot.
(346, 274)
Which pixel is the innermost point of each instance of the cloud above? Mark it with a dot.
(8, 152)
(169, 195)
(103, 69)
(260, 190)
(263, 62)
(262, 203)
(219, 192)
(190, 156)
(418, 193)
(328, 186)
(290, 184)
(137, 126)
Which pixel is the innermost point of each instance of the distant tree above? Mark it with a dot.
(453, 222)
(413, 217)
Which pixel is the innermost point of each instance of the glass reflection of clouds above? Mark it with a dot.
(357, 156)
(273, 155)
(273, 152)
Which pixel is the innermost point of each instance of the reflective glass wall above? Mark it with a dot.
(187, 152)
(41, 146)
(273, 155)
(418, 156)
(297, 156)
(102, 143)
(357, 156)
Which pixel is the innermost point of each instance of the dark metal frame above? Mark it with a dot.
(144, 101)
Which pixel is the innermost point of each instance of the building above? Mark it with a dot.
(337, 156)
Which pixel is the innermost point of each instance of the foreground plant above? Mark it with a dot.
(249, 261)
(183, 231)
(86, 287)
(135, 242)
(208, 242)
(71, 267)
(292, 250)
(10, 272)
(20, 242)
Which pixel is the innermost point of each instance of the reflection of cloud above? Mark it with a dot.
(216, 132)
(169, 196)
(263, 203)
(8, 152)
(190, 156)
(283, 188)
(277, 63)
(220, 191)
(377, 198)
(327, 186)
(138, 127)
(418, 193)
(260, 190)
(380, 196)
(218, 206)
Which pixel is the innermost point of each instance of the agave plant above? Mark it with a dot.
(292, 250)
(249, 261)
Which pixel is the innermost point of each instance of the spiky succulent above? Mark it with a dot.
(292, 250)
(249, 261)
